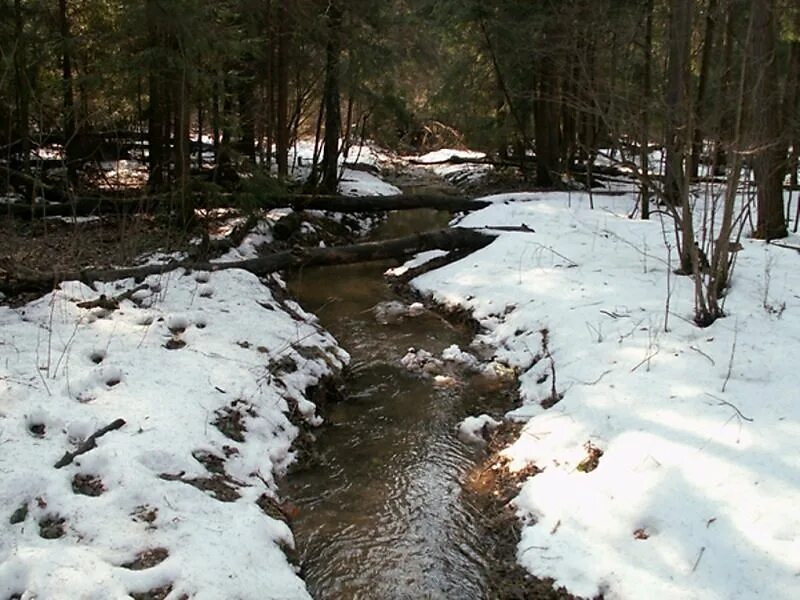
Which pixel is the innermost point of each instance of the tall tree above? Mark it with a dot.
(282, 89)
(68, 94)
(332, 99)
(708, 49)
(769, 144)
(677, 99)
(158, 119)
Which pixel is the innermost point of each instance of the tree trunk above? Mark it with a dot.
(282, 92)
(791, 106)
(247, 116)
(68, 100)
(224, 157)
(680, 30)
(215, 118)
(183, 143)
(332, 100)
(726, 118)
(157, 112)
(769, 160)
(269, 84)
(22, 89)
(546, 124)
(644, 143)
(700, 129)
(200, 126)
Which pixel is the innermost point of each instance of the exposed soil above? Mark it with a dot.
(88, 485)
(58, 245)
(159, 593)
(52, 527)
(492, 487)
(147, 559)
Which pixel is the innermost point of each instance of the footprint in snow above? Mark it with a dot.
(90, 387)
(177, 323)
(97, 356)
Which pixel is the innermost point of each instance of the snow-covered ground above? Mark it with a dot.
(353, 182)
(693, 432)
(204, 369)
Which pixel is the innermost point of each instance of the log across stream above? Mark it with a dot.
(383, 514)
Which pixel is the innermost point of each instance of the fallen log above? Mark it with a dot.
(81, 207)
(99, 205)
(464, 160)
(19, 280)
(60, 203)
(376, 203)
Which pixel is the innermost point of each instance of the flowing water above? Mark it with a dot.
(383, 515)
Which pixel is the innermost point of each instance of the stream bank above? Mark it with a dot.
(391, 503)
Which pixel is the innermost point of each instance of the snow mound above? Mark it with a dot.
(475, 430)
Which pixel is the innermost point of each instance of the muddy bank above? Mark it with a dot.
(492, 487)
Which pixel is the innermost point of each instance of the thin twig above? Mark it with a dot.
(669, 290)
(733, 406)
(572, 263)
(596, 381)
(699, 556)
(696, 349)
(112, 303)
(646, 359)
(88, 444)
(733, 352)
(614, 315)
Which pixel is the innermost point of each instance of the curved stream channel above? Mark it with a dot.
(383, 515)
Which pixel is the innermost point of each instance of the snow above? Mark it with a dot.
(353, 182)
(68, 371)
(122, 173)
(76, 220)
(471, 430)
(455, 354)
(418, 260)
(361, 183)
(446, 154)
(456, 173)
(694, 431)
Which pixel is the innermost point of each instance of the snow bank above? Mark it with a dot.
(361, 183)
(464, 173)
(670, 466)
(354, 182)
(205, 372)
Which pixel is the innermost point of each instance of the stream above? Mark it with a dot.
(382, 515)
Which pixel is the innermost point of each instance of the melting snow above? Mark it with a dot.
(693, 432)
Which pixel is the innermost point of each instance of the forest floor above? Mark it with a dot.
(656, 456)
